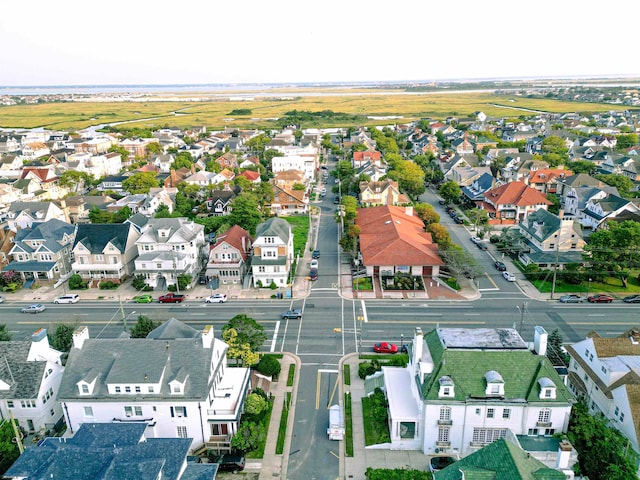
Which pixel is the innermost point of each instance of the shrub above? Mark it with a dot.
(259, 283)
(249, 437)
(76, 283)
(108, 285)
(368, 368)
(139, 282)
(494, 238)
(254, 404)
(269, 366)
(273, 286)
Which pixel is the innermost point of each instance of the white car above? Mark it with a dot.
(216, 298)
(1, 299)
(69, 298)
(314, 263)
(476, 240)
(509, 277)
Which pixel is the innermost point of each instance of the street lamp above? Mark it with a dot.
(588, 286)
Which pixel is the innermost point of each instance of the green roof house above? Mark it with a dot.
(465, 388)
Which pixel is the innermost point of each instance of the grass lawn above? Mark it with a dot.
(612, 286)
(364, 283)
(282, 430)
(300, 227)
(348, 426)
(376, 429)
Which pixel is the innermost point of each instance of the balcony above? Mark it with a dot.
(219, 443)
(445, 422)
(97, 267)
(443, 444)
(543, 424)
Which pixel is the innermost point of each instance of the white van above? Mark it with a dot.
(69, 298)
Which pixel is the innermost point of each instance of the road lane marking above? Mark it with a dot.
(364, 310)
(495, 285)
(275, 336)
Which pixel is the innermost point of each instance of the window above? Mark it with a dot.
(615, 414)
(49, 372)
(88, 412)
(128, 411)
(488, 435)
(261, 269)
(490, 412)
(85, 388)
(506, 413)
(52, 412)
(178, 411)
(118, 389)
(446, 391)
(127, 389)
(495, 389)
(621, 417)
(150, 389)
(99, 258)
(604, 370)
(443, 434)
(10, 403)
(138, 390)
(407, 430)
(137, 411)
(544, 416)
(445, 413)
(182, 432)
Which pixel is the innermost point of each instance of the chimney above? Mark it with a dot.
(418, 342)
(207, 336)
(79, 336)
(564, 455)
(408, 210)
(39, 345)
(540, 341)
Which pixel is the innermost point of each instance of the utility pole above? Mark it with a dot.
(555, 269)
(522, 310)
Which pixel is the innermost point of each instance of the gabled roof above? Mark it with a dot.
(95, 236)
(274, 227)
(389, 236)
(51, 232)
(500, 460)
(23, 377)
(541, 224)
(172, 329)
(234, 237)
(516, 193)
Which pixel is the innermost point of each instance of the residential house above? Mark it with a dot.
(93, 145)
(133, 202)
(463, 145)
(551, 240)
(76, 208)
(565, 184)
(9, 144)
(184, 388)
(598, 210)
(23, 214)
(10, 163)
(251, 161)
(251, 176)
(272, 253)
(47, 179)
(228, 256)
(385, 192)
(289, 201)
(202, 178)
(6, 244)
(195, 150)
(506, 460)
(137, 147)
(366, 156)
(603, 371)
(228, 160)
(289, 178)
(375, 171)
(464, 388)
(225, 175)
(163, 162)
(393, 240)
(30, 376)
(512, 202)
(545, 179)
(305, 163)
(177, 176)
(519, 167)
(219, 201)
(465, 175)
(474, 192)
(169, 248)
(448, 164)
(112, 183)
(42, 252)
(34, 150)
(156, 197)
(100, 451)
(105, 251)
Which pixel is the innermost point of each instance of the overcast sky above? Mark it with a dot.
(265, 41)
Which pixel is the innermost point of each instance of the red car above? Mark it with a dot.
(600, 298)
(384, 347)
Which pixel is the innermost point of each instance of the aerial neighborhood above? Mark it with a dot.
(191, 216)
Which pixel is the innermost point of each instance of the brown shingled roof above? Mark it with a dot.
(516, 193)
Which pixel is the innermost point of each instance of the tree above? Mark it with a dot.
(626, 140)
(554, 144)
(245, 212)
(344, 170)
(450, 191)
(9, 452)
(269, 366)
(182, 160)
(76, 282)
(603, 452)
(255, 404)
(124, 153)
(554, 349)
(248, 330)
(459, 261)
(140, 182)
(154, 148)
(249, 436)
(5, 336)
(583, 166)
(62, 337)
(162, 212)
(75, 180)
(478, 216)
(426, 213)
(623, 183)
(512, 240)
(121, 215)
(100, 216)
(237, 349)
(496, 166)
(555, 203)
(410, 178)
(143, 326)
(440, 234)
(614, 251)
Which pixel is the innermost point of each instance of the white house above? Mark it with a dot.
(168, 248)
(604, 372)
(30, 376)
(272, 253)
(304, 163)
(176, 380)
(464, 388)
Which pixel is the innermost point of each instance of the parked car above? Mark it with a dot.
(509, 277)
(216, 298)
(171, 298)
(482, 246)
(475, 239)
(385, 347)
(313, 275)
(69, 298)
(600, 298)
(442, 202)
(314, 263)
(573, 298)
(231, 463)
(145, 298)
(323, 192)
(501, 267)
(438, 463)
(631, 299)
(34, 308)
(458, 220)
(1, 299)
(336, 199)
(291, 314)
(315, 254)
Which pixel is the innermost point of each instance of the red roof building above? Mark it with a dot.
(512, 202)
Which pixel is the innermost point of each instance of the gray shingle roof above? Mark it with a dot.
(23, 377)
(51, 232)
(95, 236)
(274, 227)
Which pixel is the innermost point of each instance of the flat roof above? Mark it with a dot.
(482, 338)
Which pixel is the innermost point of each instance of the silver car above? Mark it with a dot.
(34, 308)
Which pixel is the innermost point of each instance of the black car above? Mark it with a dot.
(231, 463)
(458, 220)
(482, 246)
(501, 267)
(315, 254)
(631, 299)
(438, 463)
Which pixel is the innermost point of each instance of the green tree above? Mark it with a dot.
(496, 166)
(239, 350)
(410, 178)
(245, 212)
(554, 144)
(121, 215)
(249, 437)
(450, 191)
(269, 365)
(254, 404)
(100, 216)
(143, 326)
(440, 234)
(154, 148)
(76, 282)
(626, 140)
(258, 143)
(459, 262)
(249, 331)
(269, 154)
(478, 216)
(554, 349)
(62, 337)
(5, 336)
(182, 160)
(623, 183)
(614, 251)
(75, 180)
(583, 166)
(9, 452)
(426, 213)
(344, 170)
(162, 212)
(124, 153)
(140, 182)
(555, 203)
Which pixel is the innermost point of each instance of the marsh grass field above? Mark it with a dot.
(215, 114)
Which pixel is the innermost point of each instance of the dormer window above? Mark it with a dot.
(495, 384)
(446, 387)
(547, 389)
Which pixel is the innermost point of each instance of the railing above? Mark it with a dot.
(445, 422)
(220, 443)
(543, 424)
(443, 444)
